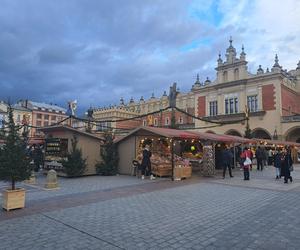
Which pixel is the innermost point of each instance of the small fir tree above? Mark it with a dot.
(75, 165)
(109, 156)
(14, 162)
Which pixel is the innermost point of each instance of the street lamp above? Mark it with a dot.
(248, 130)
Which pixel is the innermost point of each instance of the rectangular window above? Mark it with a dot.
(252, 103)
(213, 108)
(39, 123)
(167, 121)
(53, 118)
(180, 120)
(38, 116)
(226, 107)
(46, 117)
(144, 123)
(231, 105)
(46, 123)
(155, 122)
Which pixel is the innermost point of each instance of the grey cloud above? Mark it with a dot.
(97, 51)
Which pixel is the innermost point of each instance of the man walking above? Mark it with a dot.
(227, 157)
(259, 158)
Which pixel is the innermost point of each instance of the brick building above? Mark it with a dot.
(42, 115)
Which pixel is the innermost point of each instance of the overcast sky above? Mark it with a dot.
(97, 51)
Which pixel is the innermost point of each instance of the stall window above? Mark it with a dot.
(252, 103)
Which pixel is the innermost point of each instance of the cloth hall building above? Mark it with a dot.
(272, 97)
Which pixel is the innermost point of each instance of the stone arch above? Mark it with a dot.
(233, 132)
(210, 132)
(261, 133)
(293, 134)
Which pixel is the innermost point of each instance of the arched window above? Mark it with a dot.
(236, 74)
(225, 76)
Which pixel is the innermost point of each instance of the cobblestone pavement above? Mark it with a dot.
(205, 213)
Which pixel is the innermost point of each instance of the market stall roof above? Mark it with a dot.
(276, 142)
(221, 138)
(164, 132)
(67, 128)
(241, 139)
(183, 134)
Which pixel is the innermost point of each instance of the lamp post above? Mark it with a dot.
(275, 135)
(248, 130)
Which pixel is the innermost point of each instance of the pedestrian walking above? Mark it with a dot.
(277, 163)
(286, 165)
(146, 163)
(245, 156)
(266, 155)
(270, 157)
(259, 158)
(227, 157)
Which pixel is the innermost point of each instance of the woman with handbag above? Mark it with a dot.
(246, 156)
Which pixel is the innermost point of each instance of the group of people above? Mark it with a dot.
(282, 161)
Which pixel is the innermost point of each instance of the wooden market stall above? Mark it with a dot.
(175, 152)
(58, 142)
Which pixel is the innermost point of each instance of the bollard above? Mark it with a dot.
(51, 179)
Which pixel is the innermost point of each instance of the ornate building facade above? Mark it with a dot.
(272, 97)
(184, 101)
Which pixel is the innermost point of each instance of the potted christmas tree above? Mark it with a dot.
(14, 164)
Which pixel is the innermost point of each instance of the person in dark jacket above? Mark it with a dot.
(259, 158)
(146, 163)
(227, 157)
(286, 163)
(277, 164)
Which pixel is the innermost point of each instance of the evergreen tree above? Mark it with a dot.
(75, 165)
(14, 163)
(109, 156)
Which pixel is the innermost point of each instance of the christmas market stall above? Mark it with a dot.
(58, 143)
(274, 145)
(175, 153)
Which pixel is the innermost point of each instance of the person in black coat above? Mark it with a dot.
(146, 163)
(286, 163)
(259, 158)
(227, 157)
(277, 164)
